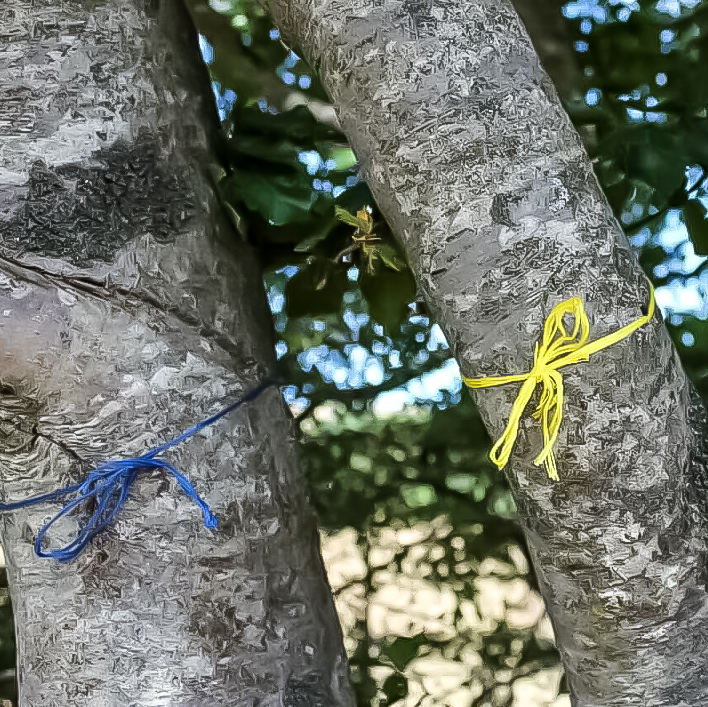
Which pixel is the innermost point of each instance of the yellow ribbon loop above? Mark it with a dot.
(558, 348)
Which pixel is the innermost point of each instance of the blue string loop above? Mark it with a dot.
(109, 484)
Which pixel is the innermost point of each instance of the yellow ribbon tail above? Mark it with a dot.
(492, 381)
(501, 451)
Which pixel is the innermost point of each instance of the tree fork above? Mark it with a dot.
(130, 311)
(477, 168)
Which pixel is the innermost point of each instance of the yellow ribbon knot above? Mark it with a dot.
(558, 348)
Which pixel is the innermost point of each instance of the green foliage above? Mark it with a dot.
(246, 58)
(361, 467)
(641, 107)
(387, 285)
(372, 474)
(280, 198)
(691, 342)
(279, 159)
(694, 216)
(267, 175)
(362, 223)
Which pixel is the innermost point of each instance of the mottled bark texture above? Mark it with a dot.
(128, 312)
(478, 169)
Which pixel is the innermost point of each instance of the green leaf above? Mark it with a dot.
(249, 149)
(388, 293)
(694, 216)
(318, 234)
(279, 197)
(343, 157)
(248, 70)
(297, 125)
(350, 219)
(365, 691)
(655, 157)
(650, 256)
(389, 256)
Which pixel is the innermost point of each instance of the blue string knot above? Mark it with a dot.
(108, 488)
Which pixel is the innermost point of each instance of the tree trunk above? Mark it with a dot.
(130, 311)
(478, 169)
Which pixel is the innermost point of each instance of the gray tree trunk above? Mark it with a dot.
(128, 311)
(478, 169)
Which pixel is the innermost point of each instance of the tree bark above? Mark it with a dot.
(471, 158)
(129, 312)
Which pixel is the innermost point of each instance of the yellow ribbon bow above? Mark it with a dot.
(557, 349)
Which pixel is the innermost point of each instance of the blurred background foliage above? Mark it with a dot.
(640, 104)
(429, 571)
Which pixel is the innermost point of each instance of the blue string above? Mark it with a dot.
(108, 485)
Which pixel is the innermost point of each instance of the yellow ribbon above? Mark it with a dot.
(557, 349)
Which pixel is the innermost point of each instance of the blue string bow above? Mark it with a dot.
(108, 485)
